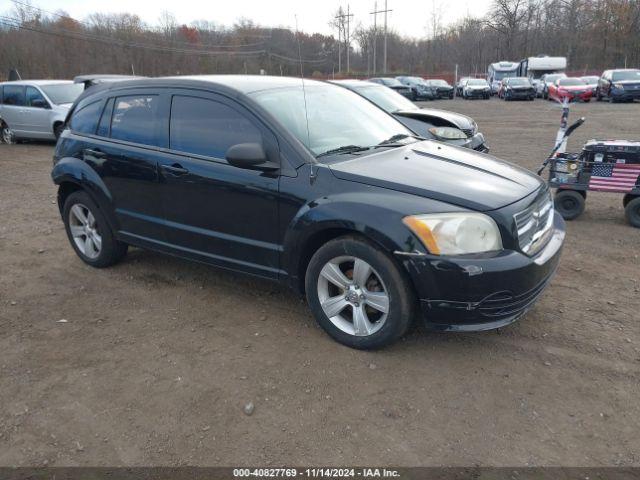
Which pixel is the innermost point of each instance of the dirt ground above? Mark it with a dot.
(158, 356)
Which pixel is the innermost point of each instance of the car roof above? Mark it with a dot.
(248, 83)
(37, 82)
(238, 84)
(356, 83)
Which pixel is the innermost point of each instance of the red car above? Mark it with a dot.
(576, 89)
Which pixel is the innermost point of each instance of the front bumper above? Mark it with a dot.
(625, 93)
(483, 292)
(520, 94)
(478, 93)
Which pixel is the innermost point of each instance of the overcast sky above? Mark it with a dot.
(409, 17)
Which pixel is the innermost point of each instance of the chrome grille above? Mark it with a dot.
(535, 224)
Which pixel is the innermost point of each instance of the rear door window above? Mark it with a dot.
(135, 119)
(13, 95)
(206, 127)
(85, 120)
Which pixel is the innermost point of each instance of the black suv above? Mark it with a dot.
(312, 186)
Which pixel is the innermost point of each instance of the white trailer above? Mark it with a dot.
(499, 70)
(536, 67)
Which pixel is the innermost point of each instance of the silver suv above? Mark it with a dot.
(35, 109)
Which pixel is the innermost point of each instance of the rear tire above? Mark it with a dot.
(348, 276)
(632, 212)
(569, 204)
(89, 232)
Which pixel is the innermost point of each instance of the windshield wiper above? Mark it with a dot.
(393, 141)
(344, 149)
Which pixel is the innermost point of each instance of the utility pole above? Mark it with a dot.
(384, 55)
(341, 18)
(375, 33)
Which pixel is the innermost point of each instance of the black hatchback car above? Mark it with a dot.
(311, 186)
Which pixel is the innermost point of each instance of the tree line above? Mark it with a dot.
(592, 34)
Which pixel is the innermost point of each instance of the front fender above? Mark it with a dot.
(75, 171)
(375, 215)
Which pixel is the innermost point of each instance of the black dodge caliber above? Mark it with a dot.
(312, 186)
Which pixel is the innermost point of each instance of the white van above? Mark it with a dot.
(35, 109)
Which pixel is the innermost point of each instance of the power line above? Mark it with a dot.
(89, 25)
(8, 21)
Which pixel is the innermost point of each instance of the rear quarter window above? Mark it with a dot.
(85, 120)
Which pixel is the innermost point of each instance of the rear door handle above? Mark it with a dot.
(94, 153)
(175, 169)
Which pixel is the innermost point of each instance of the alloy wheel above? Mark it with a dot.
(353, 296)
(7, 135)
(84, 231)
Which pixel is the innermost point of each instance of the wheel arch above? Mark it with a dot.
(72, 175)
(313, 227)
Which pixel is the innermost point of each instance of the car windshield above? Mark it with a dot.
(518, 82)
(626, 75)
(416, 80)
(502, 75)
(439, 83)
(386, 99)
(571, 82)
(591, 80)
(477, 82)
(552, 78)
(336, 117)
(62, 93)
(390, 82)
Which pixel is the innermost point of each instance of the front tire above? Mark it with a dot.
(6, 134)
(358, 294)
(632, 212)
(57, 130)
(569, 204)
(89, 232)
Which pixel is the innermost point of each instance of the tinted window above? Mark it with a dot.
(35, 98)
(105, 120)
(13, 95)
(626, 75)
(206, 127)
(86, 119)
(135, 119)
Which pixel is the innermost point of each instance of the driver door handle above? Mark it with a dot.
(174, 169)
(94, 153)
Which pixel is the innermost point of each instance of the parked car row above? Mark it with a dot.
(620, 85)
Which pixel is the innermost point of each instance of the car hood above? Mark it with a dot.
(461, 121)
(442, 172)
(573, 88)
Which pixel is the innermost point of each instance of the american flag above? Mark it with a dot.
(614, 177)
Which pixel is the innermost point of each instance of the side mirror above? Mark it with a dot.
(39, 103)
(250, 156)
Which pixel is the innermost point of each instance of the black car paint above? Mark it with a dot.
(268, 223)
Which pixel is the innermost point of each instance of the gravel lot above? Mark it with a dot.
(157, 356)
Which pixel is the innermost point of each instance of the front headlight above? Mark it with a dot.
(456, 233)
(448, 133)
(618, 85)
